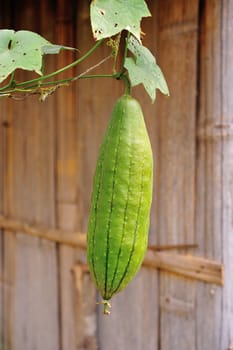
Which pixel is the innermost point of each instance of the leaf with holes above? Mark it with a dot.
(143, 69)
(109, 17)
(23, 49)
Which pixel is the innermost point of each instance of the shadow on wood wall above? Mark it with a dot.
(47, 159)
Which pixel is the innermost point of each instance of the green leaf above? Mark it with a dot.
(142, 69)
(52, 49)
(109, 17)
(23, 49)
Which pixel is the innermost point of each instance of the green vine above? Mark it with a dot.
(139, 67)
(26, 86)
(127, 84)
(45, 88)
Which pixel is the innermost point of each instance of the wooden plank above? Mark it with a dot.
(1, 211)
(32, 304)
(175, 174)
(1, 232)
(67, 171)
(227, 172)
(214, 172)
(7, 243)
(208, 218)
(175, 168)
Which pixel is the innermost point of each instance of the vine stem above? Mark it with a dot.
(10, 82)
(121, 73)
(67, 80)
(125, 53)
(63, 69)
(38, 82)
(83, 74)
(61, 82)
(127, 84)
(92, 68)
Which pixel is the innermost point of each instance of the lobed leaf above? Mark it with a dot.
(109, 17)
(23, 49)
(142, 69)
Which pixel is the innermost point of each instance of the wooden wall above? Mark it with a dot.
(47, 159)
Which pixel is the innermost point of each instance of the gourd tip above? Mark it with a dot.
(107, 306)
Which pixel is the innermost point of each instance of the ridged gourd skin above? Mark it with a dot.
(121, 200)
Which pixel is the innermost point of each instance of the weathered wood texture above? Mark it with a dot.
(186, 265)
(66, 177)
(227, 171)
(175, 174)
(47, 160)
(6, 264)
(30, 269)
(215, 172)
(2, 129)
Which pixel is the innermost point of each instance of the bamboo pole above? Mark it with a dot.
(186, 265)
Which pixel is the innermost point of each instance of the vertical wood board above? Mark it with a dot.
(150, 111)
(48, 154)
(30, 264)
(1, 232)
(77, 305)
(209, 152)
(227, 171)
(214, 172)
(175, 175)
(66, 178)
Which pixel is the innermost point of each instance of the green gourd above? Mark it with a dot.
(121, 201)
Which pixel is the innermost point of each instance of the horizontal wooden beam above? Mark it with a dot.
(76, 239)
(186, 265)
(190, 266)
